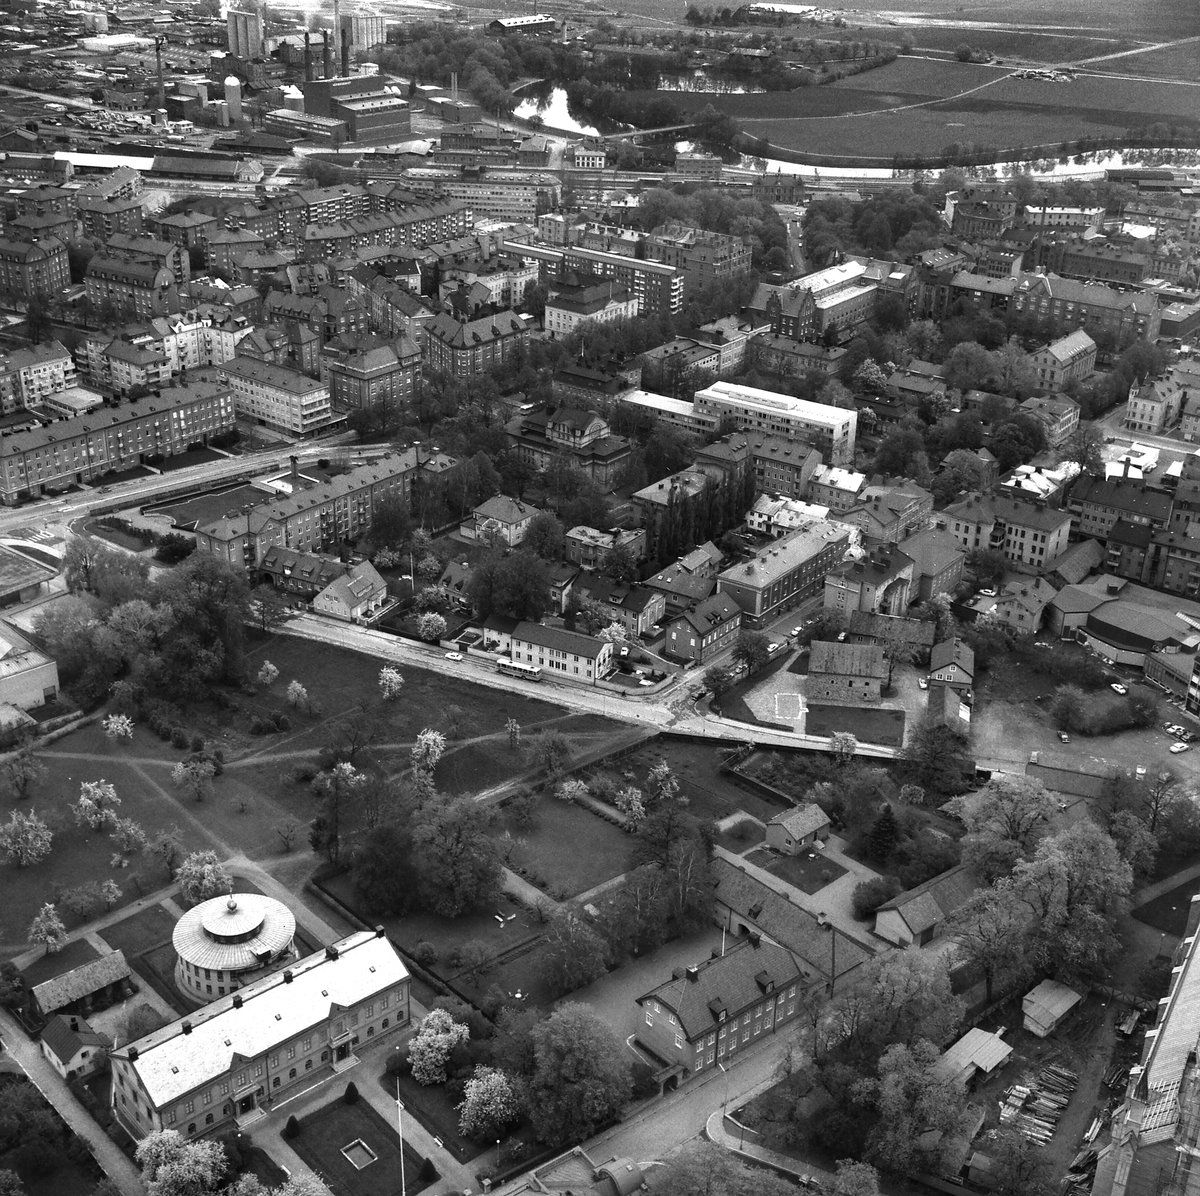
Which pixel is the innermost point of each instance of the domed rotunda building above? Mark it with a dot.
(227, 942)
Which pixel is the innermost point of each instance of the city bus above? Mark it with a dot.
(515, 668)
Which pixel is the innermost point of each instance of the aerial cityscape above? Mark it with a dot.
(599, 600)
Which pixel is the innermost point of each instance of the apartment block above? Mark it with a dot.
(278, 398)
(81, 449)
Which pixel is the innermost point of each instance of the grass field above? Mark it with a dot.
(869, 724)
(431, 1106)
(1169, 912)
(570, 848)
(79, 854)
(324, 1133)
(808, 875)
(143, 931)
(1006, 112)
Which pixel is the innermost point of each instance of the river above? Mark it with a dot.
(554, 113)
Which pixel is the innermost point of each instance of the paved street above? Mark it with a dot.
(672, 707)
(54, 1088)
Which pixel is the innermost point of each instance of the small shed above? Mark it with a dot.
(96, 984)
(794, 830)
(976, 1051)
(1045, 1007)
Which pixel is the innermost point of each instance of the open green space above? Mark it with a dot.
(808, 872)
(1169, 911)
(324, 1133)
(143, 931)
(80, 855)
(868, 724)
(447, 935)
(340, 680)
(433, 1108)
(568, 847)
(1005, 111)
(48, 965)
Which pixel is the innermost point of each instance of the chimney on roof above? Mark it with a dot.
(186, 1027)
(237, 1000)
(693, 974)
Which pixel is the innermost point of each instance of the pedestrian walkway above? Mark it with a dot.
(115, 1164)
(718, 1130)
(1165, 886)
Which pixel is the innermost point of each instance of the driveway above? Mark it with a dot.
(613, 996)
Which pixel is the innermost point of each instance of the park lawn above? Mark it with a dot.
(49, 965)
(711, 795)
(472, 767)
(79, 854)
(868, 724)
(143, 931)
(341, 680)
(1169, 911)
(568, 847)
(430, 1105)
(324, 1133)
(446, 934)
(808, 875)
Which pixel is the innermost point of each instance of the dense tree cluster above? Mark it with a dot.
(171, 638)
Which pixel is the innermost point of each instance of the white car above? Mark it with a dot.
(795, 631)
(643, 681)
(454, 656)
(923, 682)
(1118, 688)
(987, 593)
(773, 648)
(624, 651)
(1176, 748)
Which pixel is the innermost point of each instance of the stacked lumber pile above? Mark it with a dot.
(1034, 1108)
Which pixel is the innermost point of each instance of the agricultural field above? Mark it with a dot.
(918, 105)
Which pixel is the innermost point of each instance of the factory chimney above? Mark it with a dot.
(308, 63)
(345, 55)
(327, 55)
(454, 86)
(337, 31)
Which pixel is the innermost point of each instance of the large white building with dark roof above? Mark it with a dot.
(229, 1063)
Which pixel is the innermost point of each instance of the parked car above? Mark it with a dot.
(1176, 748)
(923, 682)
(1063, 737)
(1118, 688)
(454, 656)
(987, 593)
(773, 648)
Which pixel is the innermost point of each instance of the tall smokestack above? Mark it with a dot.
(308, 63)
(337, 30)
(327, 54)
(454, 85)
(345, 58)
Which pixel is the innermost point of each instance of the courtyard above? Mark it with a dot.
(357, 1153)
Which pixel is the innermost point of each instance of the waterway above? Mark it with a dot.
(552, 108)
(1083, 167)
